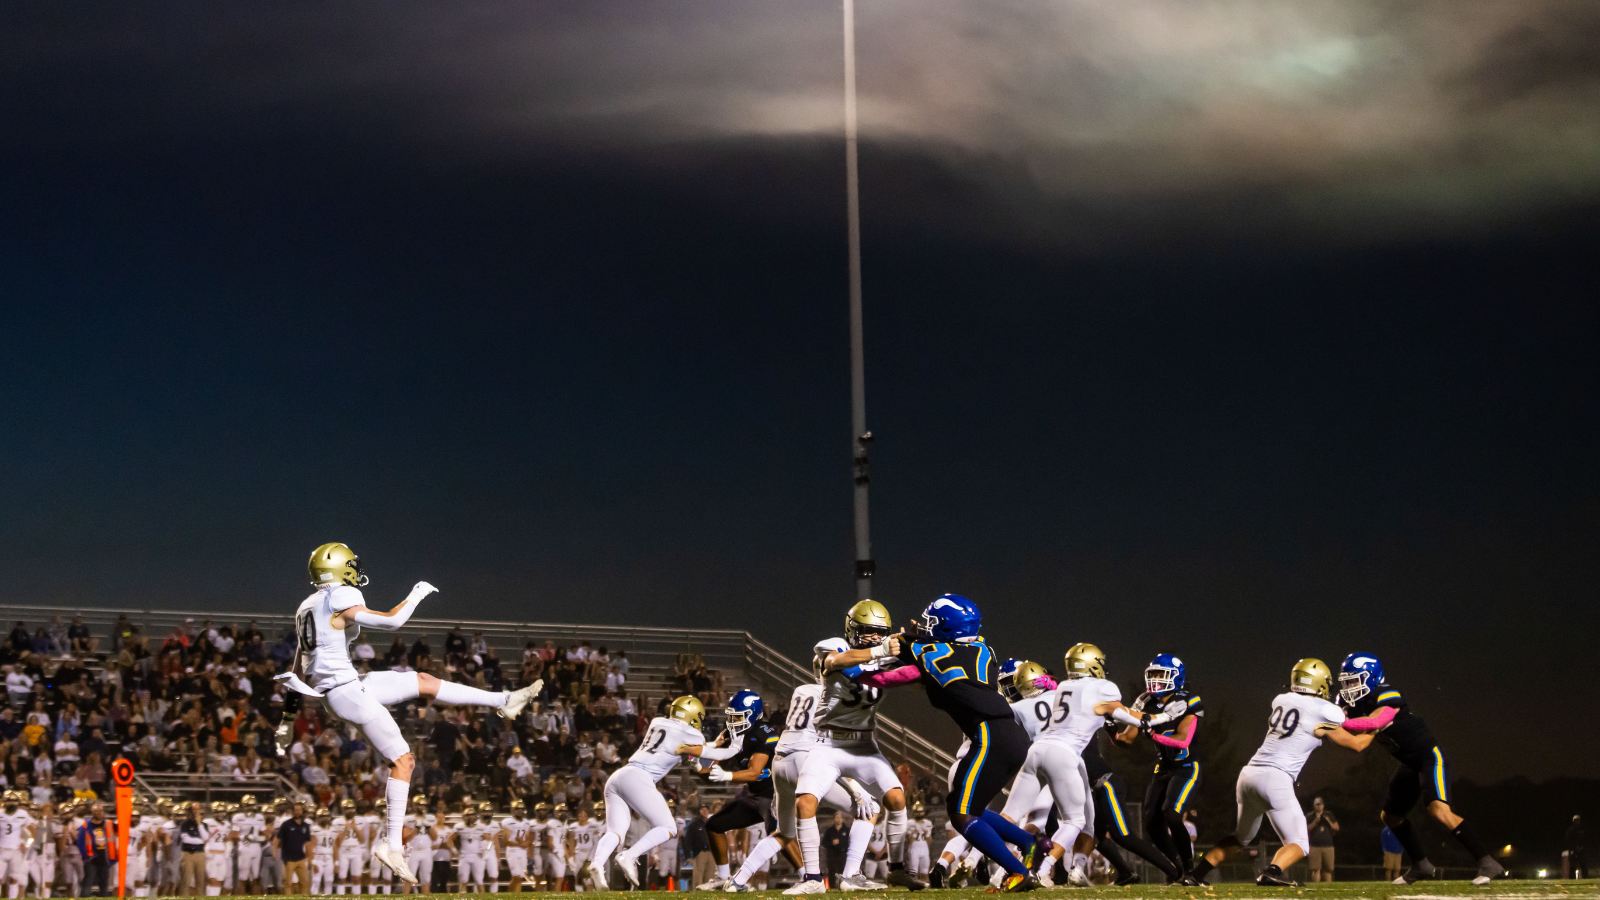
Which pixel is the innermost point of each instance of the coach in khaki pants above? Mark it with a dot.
(294, 842)
(192, 835)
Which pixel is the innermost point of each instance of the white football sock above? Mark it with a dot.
(462, 695)
(722, 870)
(894, 831)
(810, 844)
(397, 792)
(759, 854)
(860, 836)
(213, 890)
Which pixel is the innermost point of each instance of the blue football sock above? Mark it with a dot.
(1011, 831)
(982, 835)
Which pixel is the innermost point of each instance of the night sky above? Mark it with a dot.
(1241, 330)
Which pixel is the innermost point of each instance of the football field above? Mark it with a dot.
(1346, 890)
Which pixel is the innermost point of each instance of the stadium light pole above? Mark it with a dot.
(860, 437)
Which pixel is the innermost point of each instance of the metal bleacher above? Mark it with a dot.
(744, 661)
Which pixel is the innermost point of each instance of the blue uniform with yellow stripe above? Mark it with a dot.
(1172, 788)
(754, 803)
(961, 678)
(1423, 774)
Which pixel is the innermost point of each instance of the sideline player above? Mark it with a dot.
(16, 832)
(919, 834)
(554, 835)
(517, 830)
(1172, 727)
(420, 837)
(581, 837)
(794, 745)
(326, 624)
(847, 747)
(251, 826)
(945, 654)
(632, 789)
(751, 758)
(324, 840)
(1301, 719)
(1376, 707)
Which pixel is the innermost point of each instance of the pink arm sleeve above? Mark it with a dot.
(1174, 742)
(902, 675)
(1046, 682)
(1383, 716)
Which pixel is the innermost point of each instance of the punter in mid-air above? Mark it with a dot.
(325, 625)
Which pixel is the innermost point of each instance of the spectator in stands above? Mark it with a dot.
(19, 640)
(18, 685)
(79, 638)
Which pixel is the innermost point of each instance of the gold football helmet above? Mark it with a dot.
(541, 810)
(486, 808)
(600, 809)
(918, 810)
(248, 801)
(1311, 676)
(560, 812)
(334, 564)
(324, 813)
(1019, 685)
(866, 623)
(688, 710)
(347, 806)
(1085, 661)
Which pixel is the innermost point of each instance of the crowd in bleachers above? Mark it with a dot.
(202, 699)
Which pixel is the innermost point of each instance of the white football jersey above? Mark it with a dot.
(919, 830)
(252, 827)
(12, 828)
(1032, 713)
(322, 840)
(421, 841)
(516, 829)
(1072, 719)
(1291, 731)
(325, 650)
(555, 833)
(584, 837)
(800, 727)
(371, 828)
(845, 705)
(490, 832)
(469, 839)
(217, 838)
(658, 753)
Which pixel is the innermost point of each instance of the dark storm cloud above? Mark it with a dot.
(1074, 124)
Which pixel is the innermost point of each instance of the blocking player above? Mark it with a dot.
(1172, 726)
(794, 745)
(749, 765)
(632, 789)
(1301, 719)
(1086, 663)
(945, 654)
(326, 624)
(847, 747)
(1376, 708)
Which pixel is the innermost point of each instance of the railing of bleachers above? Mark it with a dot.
(654, 650)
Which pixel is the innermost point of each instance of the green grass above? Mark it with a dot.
(1339, 890)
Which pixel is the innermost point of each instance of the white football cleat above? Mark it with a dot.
(715, 884)
(396, 862)
(807, 886)
(629, 867)
(1077, 877)
(860, 882)
(518, 700)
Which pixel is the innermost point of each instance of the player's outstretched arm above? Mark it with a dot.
(395, 618)
(839, 661)
(1356, 742)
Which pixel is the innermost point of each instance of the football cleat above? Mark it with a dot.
(735, 887)
(1130, 878)
(962, 872)
(860, 882)
(1488, 870)
(1077, 877)
(629, 868)
(396, 862)
(1416, 873)
(936, 877)
(1272, 876)
(1047, 878)
(518, 700)
(903, 878)
(715, 884)
(1020, 884)
(807, 886)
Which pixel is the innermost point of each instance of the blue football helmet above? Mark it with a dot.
(1164, 675)
(744, 708)
(1358, 675)
(952, 617)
